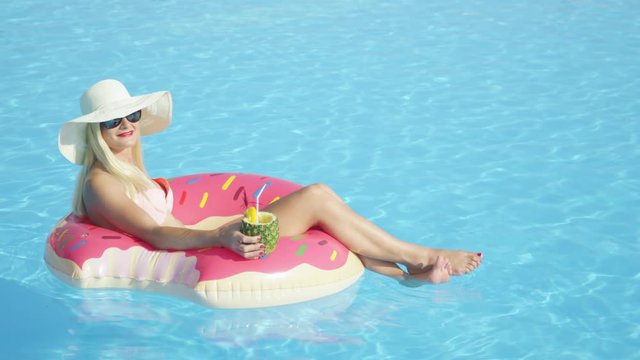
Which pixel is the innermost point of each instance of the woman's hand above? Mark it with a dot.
(248, 247)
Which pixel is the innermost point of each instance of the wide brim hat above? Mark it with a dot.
(107, 100)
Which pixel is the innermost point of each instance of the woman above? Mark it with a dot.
(115, 192)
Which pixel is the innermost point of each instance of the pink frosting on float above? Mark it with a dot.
(195, 198)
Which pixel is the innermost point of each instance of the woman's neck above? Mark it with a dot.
(126, 156)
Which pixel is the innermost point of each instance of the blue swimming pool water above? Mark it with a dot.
(509, 128)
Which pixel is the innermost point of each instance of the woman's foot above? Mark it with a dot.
(437, 273)
(461, 262)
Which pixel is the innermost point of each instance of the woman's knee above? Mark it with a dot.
(321, 192)
(315, 192)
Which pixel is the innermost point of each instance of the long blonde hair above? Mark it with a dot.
(133, 177)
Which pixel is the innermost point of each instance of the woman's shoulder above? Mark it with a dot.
(99, 181)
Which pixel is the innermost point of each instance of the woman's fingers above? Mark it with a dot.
(249, 240)
(249, 247)
(251, 251)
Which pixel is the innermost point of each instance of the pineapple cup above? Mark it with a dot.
(266, 227)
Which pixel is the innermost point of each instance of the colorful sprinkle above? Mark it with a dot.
(64, 242)
(333, 255)
(301, 250)
(226, 184)
(193, 181)
(204, 249)
(61, 235)
(275, 199)
(183, 196)
(78, 244)
(297, 237)
(261, 189)
(205, 196)
(323, 242)
(238, 192)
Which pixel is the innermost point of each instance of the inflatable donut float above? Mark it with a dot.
(301, 268)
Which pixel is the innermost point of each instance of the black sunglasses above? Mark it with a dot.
(132, 118)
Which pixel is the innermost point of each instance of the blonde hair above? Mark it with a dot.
(133, 177)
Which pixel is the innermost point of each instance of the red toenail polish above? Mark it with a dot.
(479, 254)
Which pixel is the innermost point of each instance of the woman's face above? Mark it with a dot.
(122, 137)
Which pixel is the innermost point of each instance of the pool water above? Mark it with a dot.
(509, 128)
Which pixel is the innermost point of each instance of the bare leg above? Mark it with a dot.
(437, 273)
(386, 268)
(318, 205)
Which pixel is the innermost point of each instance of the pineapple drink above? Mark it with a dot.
(264, 224)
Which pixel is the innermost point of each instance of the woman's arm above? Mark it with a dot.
(107, 205)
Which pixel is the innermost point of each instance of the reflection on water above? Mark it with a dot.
(117, 315)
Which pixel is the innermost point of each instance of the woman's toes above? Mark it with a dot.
(474, 261)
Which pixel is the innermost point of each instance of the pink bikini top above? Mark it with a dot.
(158, 203)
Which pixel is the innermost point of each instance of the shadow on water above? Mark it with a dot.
(121, 323)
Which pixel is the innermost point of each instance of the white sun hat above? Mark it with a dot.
(107, 100)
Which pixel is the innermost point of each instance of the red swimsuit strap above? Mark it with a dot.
(164, 184)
